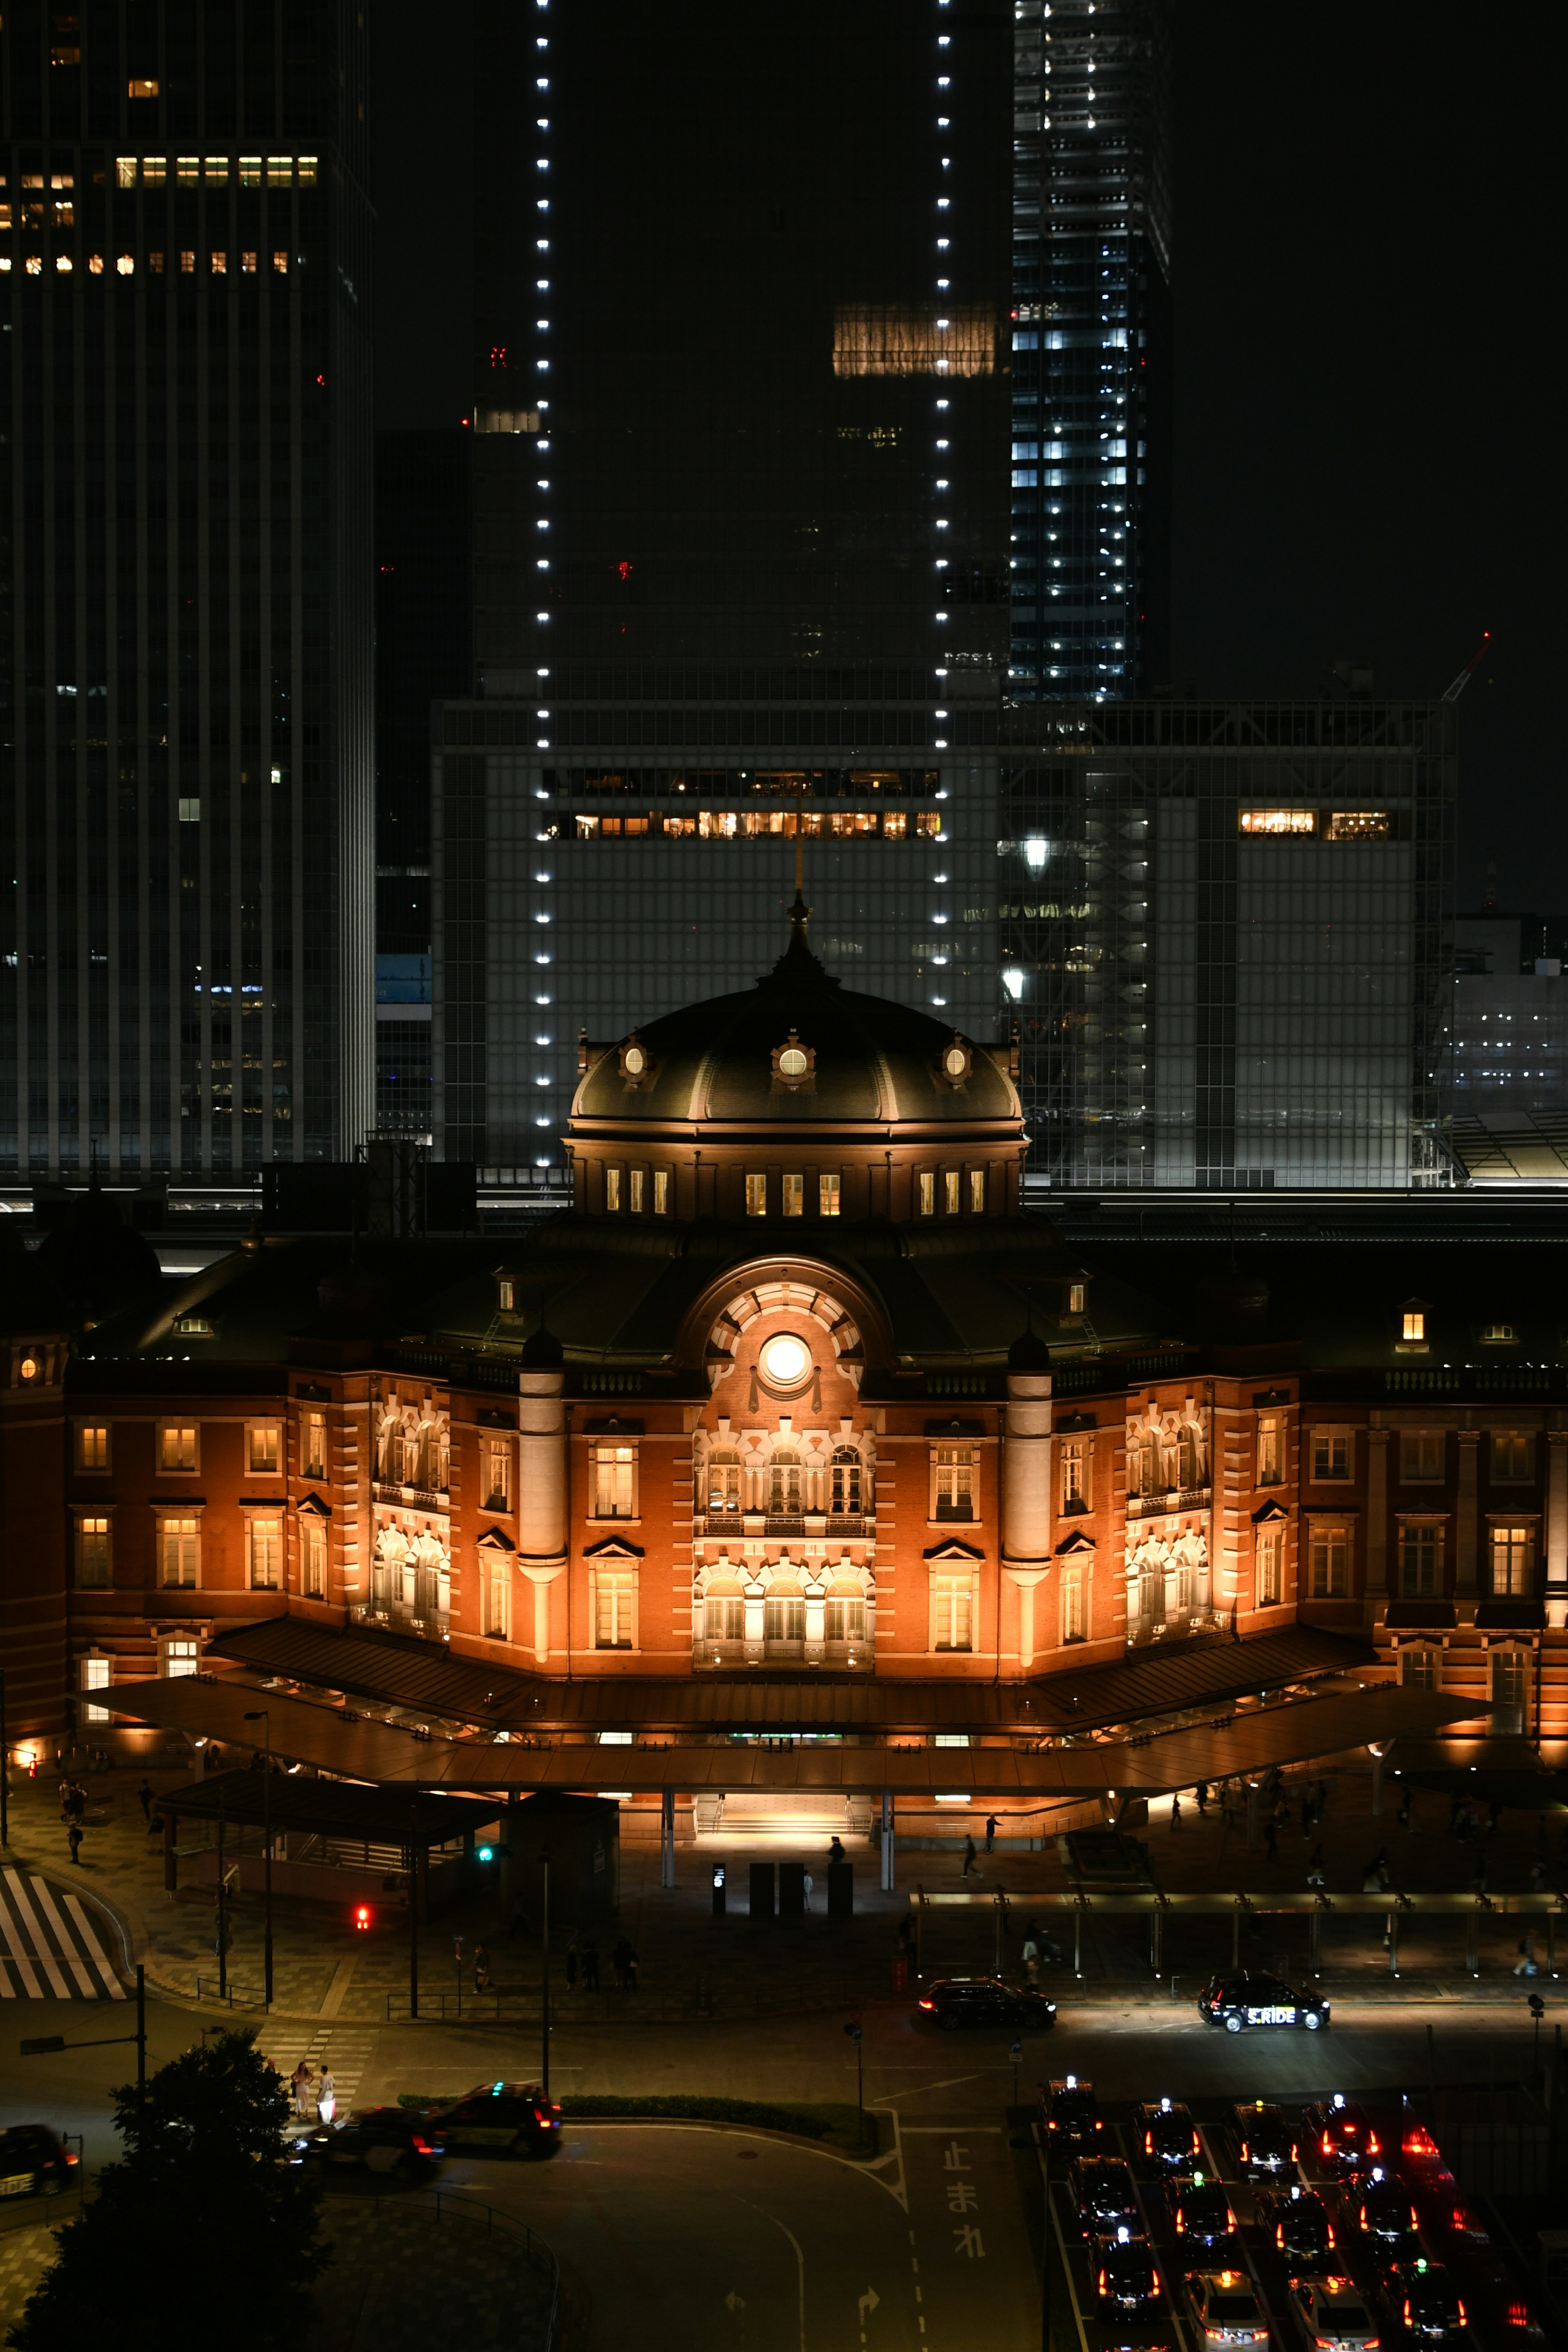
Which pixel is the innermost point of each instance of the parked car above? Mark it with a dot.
(1382, 2210)
(1102, 2196)
(1224, 2310)
(1331, 2316)
(1422, 2303)
(404, 2143)
(501, 2119)
(34, 2161)
(1298, 2221)
(1201, 2215)
(1251, 1998)
(1072, 2113)
(1125, 2278)
(1168, 2133)
(953, 2002)
(1266, 2141)
(1340, 2132)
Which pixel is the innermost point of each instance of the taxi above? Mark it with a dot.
(1224, 2310)
(1250, 1998)
(1298, 2221)
(1265, 2141)
(33, 2161)
(1341, 2132)
(501, 2119)
(1072, 2113)
(1168, 2133)
(1124, 2274)
(1331, 2316)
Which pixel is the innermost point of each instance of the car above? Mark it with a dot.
(1382, 2209)
(501, 2119)
(1200, 2214)
(1167, 2132)
(1124, 2274)
(1331, 2315)
(1422, 2302)
(1102, 2196)
(953, 2002)
(1298, 2221)
(1250, 1998)
(1265, 2141)
(405, 2142)
(1072, 2113)
(1341, 2132)
(34, 2161)
(1224, 2310)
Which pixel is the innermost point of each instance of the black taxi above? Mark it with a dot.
(33, 2162)
(1250, 1998)
(513, 2119)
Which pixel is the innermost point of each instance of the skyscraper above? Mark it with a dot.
(1092, 348)
(186, 660)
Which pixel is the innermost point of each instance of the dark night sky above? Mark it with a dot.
(1368, 241)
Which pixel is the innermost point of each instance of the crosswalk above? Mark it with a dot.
(50, 1944)
(345, 2048)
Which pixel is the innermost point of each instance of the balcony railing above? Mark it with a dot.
(418, 1498)
(429, 1627)
(1184, 1498)
(788, 1523)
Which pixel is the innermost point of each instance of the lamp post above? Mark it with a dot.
(263, 1714)
(544, 1865)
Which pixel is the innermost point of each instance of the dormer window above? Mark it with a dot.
(1414, 1324)
(1415, 1335)
(1498, 1335)
(1078, 1297)
(794, 1063)
(636, 1061)
(956, 1061)
(507, 1292)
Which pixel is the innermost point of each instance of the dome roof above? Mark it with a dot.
(799, 1047)
(98, 1262)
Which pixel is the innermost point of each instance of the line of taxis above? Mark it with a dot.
(1259, 2224)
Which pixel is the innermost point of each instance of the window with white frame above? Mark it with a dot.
(952, 1482)
(313, 1445)
(783, 1614)
(928, 1192)
(614, 1592)
(977, 1192)
(495, 1579)
(951, 1180)
(1512, 1458)
(784, 1476)
(845, 1497)
(262, 1448)
(1329, 1554)
(314, 1565)
(828, 1195)
(1421, 1455)
(844, 1614)
(1074, 1468)
(614, 1482)
(723, 1479)
(94, 1555)
(1072, 1601)
(757, 1196)
(1420, 1559)
(1418, 1668)
(92, 1446)
(1511, 1561)
(95, 1676)
(1330, 1454)
(724, 1611)
(1270, 1547)
(1508, 1673)
(178, 1659)
(264, 1548)
(177, 1445)
(179, 1551)
(952, 1610)
(661, 1191)
(1270, 1452)
(494, 1475)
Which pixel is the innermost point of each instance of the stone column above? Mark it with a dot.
(1466, 1526)
(1376, 1526)
(1557, 1528)
(542, 1466)
(542, 1575)
(1027, 1578)
(1027, 1469)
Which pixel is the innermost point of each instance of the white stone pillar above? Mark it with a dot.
(542, 1466)
(1027, 1578)
(542, 1575)
(1027, 1469)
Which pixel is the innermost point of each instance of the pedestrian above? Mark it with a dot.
(1405, 1810)
(215, 1757)
(76, 1802)
(1537, 1876)
(64, 1799)
(990, 1833)
(481, 1969)
(73, 1838)
(1202, 1793)
(145, 1795)
(619, 1957)
(835, 1852)
(632, 1964)
(326, 2095)
(572, 1964)
(1175, 1813)
(298, 2086)
(589, 1965)
(1526, 1965)
(807, 1884)
(1271, 1837)
(1031, 1958)
(970, 1853)
(1315, 1866)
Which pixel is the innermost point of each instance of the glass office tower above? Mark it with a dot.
(185, 777)
(1092, 348)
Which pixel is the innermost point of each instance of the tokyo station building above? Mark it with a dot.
(799, 1423)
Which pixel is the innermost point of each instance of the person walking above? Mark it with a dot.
(1526, 1965)
(1315, 1866)
(1175, 1813)
(807, 1884)
(1202, 1793)
(835, 1852)
(73, 1838)
(144, 1797)
(589, 1965)
(326, 2094)
(481, 1969)
(620, 1958)
(990, 1833)
(572, 1964)
(1031, 1959)
(298, 2086)
(970, 1853)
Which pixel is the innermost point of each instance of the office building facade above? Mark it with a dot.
(187, 977)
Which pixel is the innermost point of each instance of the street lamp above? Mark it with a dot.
(263, 1714)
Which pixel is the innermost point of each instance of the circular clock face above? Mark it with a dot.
(29, 1367)
(953, 1061)
(792, 1063)
(786, 1360)
(634, 1061)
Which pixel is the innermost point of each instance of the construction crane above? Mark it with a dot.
(1469, 669)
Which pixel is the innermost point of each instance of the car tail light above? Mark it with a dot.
(423, 2146)
(69, 2157)
(1181, 2222)
(1518, 2315)
(1374, 2145)
(1329, 2227)
(1328, 2143)
(928, 2004)
(1418, 2141)
(1464, 2316)
(1148, 2143)
(1245, 2151)
(1102, 2281)
(1292, 2151)
(1408, 2311)
(1280, 2233)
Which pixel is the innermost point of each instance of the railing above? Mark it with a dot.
(976, 1384)
(424, 1498)
(233, 1996)
(1185, 1498)
(604, 1383)
(399, 1620)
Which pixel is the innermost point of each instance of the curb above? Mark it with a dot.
(740, 2131)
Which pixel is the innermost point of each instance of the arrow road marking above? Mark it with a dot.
(868, 2304)
(735, 2302)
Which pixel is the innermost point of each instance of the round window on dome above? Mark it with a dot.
(955, 1062)
(793, 1061)
(634, 1061)
(786, 1361)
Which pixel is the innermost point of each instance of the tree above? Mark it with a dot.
(199, 2236)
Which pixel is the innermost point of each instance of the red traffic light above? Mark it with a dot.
(362, 1916)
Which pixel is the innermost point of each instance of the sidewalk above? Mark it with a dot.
(693, 1964)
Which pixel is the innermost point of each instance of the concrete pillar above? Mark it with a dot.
(541, 1531)
(1376, 1524)
(889, 1880)
(1557, 1527)
(1027, 1469)
(1027, 1578)
(1377, 1755)
(1254, 1817)
(1466, 1526)
(542, 1575)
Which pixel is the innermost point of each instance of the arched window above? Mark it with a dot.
(724, 1479)
(845, 1501)
(784, 1612)
(783, 1482)
(724, 1611)
(846, 1612)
